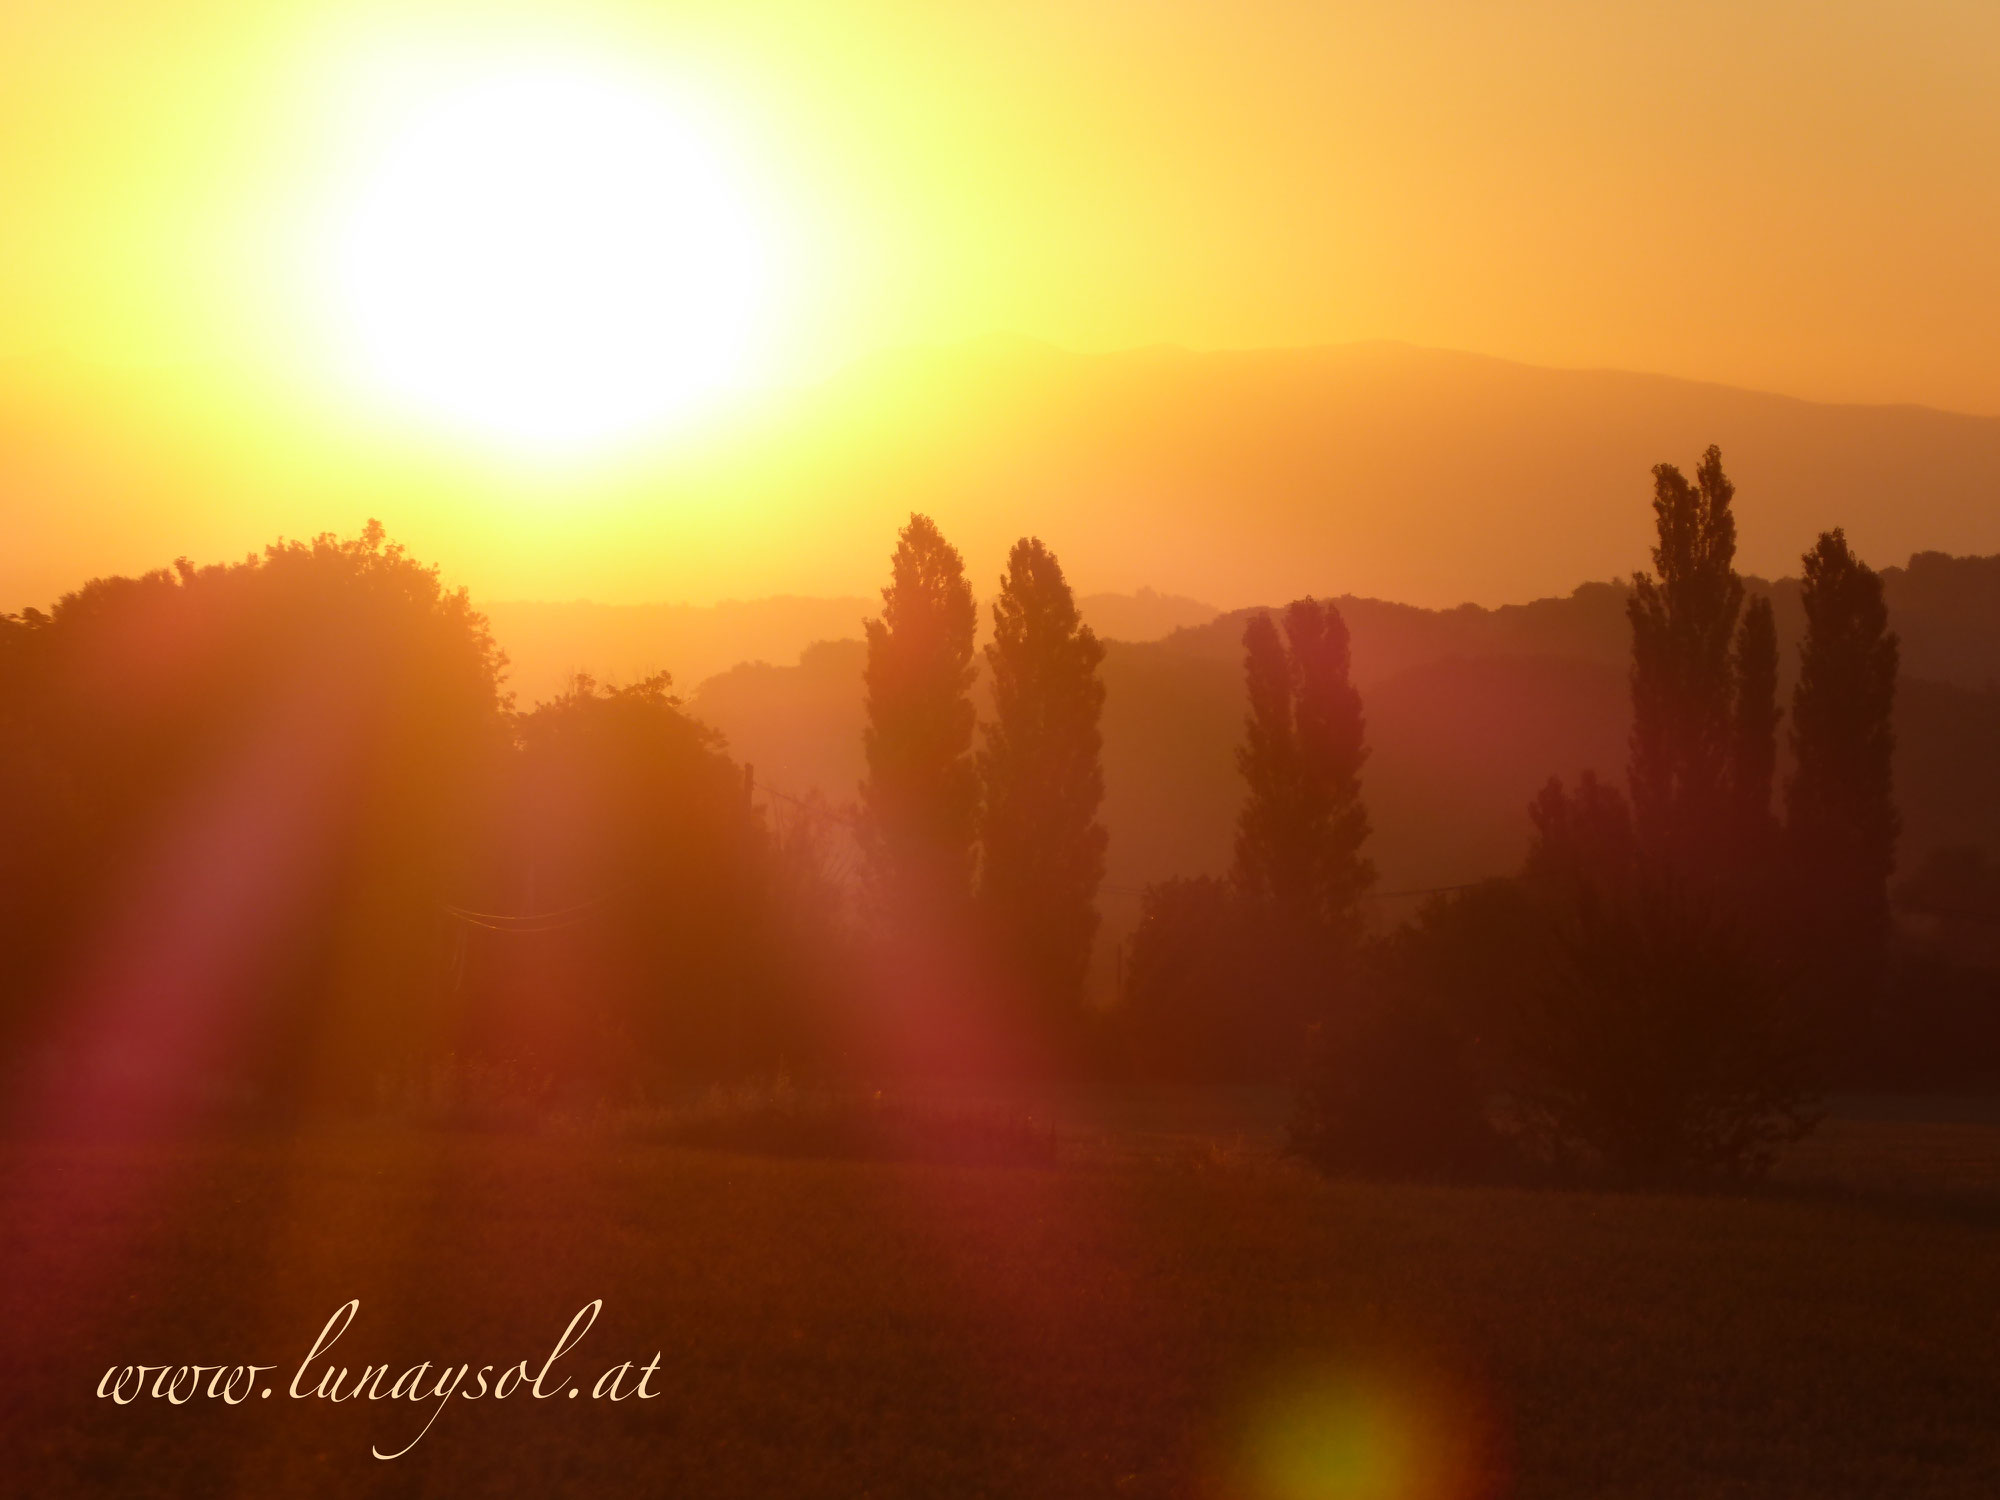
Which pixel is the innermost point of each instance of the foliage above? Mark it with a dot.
(1649, 1031)
(242, 791)
(1393, 1090)
(1753, 750)
(919, 804)
(1841, 819)
(1683, 624)
(1212, 987)
(1041, 772)
(1651, 1036)
(1226, 977)
(624, 818)
(1299, 839)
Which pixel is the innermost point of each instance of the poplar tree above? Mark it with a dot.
(919, 803)
(1841, 819)
(1300, 835)
(1753, 753)
(1683, 686)
(1042, 847)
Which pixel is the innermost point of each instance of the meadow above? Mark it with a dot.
(1167, 1308)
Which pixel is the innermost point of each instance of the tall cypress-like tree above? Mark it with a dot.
(1652, 1033)
(1841, 819)
(1753, 750)
(1042, 848)
(919, 804)
(1265, 844)
(1299, 838)
(1683, 686)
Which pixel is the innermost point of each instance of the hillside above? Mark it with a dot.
(548, 642)
(1377, 470)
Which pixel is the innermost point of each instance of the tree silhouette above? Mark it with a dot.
(625, 812)
(1683, 686)
(1226, 977)
(1660, 1051)
(1648, 1038)
(1299, 837)
(1042, 848)
(919, 804)
(1654, 1036)
(1841, 819)
(1753, 750)
(1583, 840)
(244, 791)
(1193, 985)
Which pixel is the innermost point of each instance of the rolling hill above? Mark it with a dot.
(1377, 470)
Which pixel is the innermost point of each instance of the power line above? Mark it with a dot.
(1426, 890)
(812, 808)
(541, 921)
(850, 822)
(1431, 890)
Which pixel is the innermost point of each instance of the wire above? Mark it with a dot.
(542, 921)
(850, 822)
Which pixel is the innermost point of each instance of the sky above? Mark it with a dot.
(1789, 197)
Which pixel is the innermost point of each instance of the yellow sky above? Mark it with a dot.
(1791, 196)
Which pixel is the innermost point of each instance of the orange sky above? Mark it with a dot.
(1789, 196)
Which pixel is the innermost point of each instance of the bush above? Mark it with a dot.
(1219, 988)
(1658, 1045)
(1392, 1093)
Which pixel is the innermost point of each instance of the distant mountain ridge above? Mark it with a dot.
(548, 643)
(1378, 470)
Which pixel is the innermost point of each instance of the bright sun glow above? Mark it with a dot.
(554, 259)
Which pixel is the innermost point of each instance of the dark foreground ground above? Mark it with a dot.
(1183, 1316)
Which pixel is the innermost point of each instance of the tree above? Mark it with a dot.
(919, 804)
(1582, 840)
(1660, 1048)
(1299, 837)
(1753, 750)
(1042, 848)
(1683, 685)
(625, 816)
(1841, 819)
(1393, 1090)
(1649, 1037)
(245, 790)
(1184, 1008)
(1226, 977)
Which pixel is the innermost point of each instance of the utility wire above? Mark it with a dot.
(849, 821)
(541, 921)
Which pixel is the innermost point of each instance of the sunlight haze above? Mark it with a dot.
(211, 280)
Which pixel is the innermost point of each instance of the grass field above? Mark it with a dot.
(1184, 1316)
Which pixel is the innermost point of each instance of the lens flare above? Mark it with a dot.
(1368, 1433)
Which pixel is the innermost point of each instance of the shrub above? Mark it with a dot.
(1392, 1092)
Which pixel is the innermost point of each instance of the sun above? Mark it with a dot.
(552, 258)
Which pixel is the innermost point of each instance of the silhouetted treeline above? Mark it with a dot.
(233, 799)
(980, 866)
(636, 920)
(273, 838)
(1675, 972)
(273, 835)
(270, 836)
